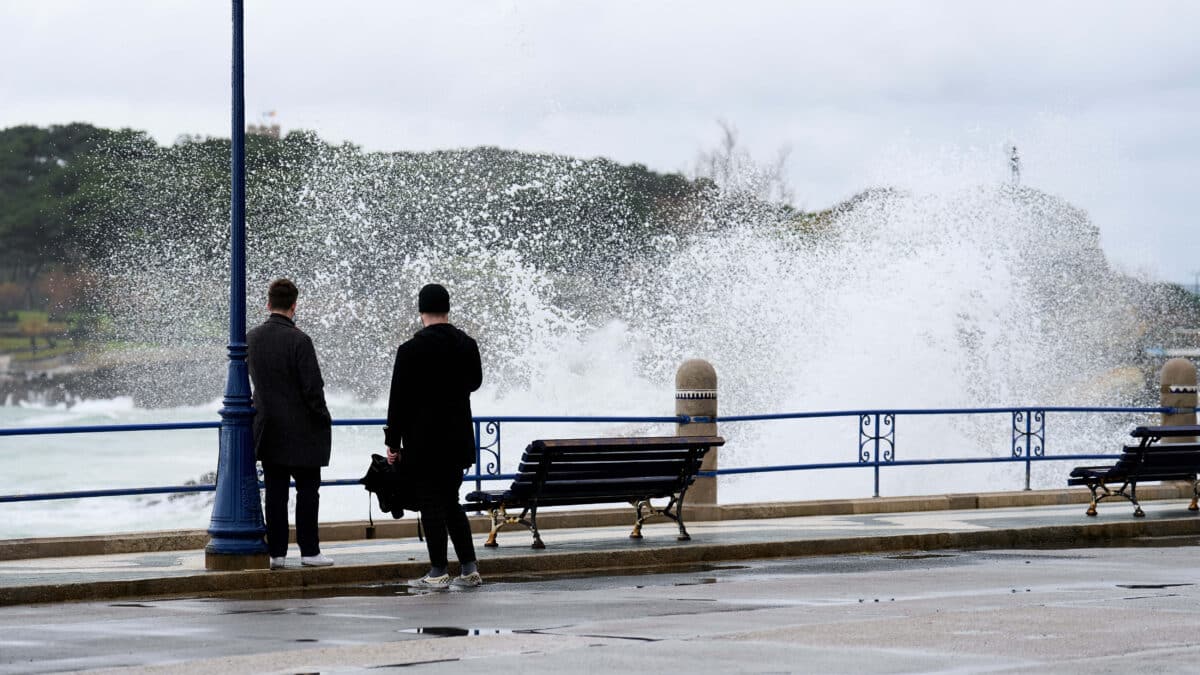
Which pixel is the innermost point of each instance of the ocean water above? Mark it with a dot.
(58, 463)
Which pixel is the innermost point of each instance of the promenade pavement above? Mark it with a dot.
(606, 549)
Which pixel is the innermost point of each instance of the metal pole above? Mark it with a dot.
(1028, 448)
(479, 459)
(236, 528)
(876, 455)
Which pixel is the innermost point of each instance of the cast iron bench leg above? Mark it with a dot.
(1091, 510)
(637, 524)
(537, 537)
(683, 533)
(1195, 495)
(1137, 508)
(499, 518)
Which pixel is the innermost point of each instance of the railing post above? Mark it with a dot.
(1023, 439)
(1028, 448)
(696, 396)
(478, 459)
(876, 455)
(883, 444)
(1178, 390)
(236, 528)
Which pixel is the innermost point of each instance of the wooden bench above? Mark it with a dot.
(598, 471)
(1147, 461)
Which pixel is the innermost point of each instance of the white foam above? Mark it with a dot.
(960, 293)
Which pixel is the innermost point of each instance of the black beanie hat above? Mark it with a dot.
(433, 299)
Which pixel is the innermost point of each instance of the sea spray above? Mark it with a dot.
(586, 295)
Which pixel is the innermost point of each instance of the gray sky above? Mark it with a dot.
(1100, 97)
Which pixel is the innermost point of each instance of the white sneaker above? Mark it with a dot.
(472, 580)
(318, 560)
(278, 563)
(431, 582)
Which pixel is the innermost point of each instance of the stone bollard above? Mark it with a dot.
(1178, 390)
(696, 396)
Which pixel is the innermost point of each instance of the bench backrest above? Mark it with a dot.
(1173, 459)
(583, 470)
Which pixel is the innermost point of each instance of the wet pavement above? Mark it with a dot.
(1111, 609)
(586, 550)
(1022, 589)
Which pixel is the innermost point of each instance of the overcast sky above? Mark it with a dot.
(1102, 98)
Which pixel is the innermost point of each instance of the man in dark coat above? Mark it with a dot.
(429, 420)
(291, 424)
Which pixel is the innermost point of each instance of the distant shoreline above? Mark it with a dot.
(153, 379)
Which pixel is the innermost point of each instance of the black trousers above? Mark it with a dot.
(276, 480)
(442, 515)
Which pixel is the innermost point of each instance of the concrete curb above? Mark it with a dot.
(192, 540)
(642, 557)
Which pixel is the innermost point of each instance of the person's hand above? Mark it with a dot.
(392, 456)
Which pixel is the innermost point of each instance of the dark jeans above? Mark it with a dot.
(441, 514)
(276, 479)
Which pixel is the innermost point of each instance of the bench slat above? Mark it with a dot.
(591, 497)
(1165, 448)
(622, 485)
(1166, 432)
(616, 455)
(644, 443)
(631, 468)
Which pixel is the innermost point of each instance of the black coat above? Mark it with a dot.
(291, 420)
(429, 408)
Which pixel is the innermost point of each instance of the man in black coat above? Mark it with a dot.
(429, 420)
(291, 424)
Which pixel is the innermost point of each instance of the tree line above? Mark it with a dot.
(72, 193)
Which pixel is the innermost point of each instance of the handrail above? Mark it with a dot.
(568, 419)
(899, 462)
(1027, 441)
(107, 428)
(926, 411)
(546, 419)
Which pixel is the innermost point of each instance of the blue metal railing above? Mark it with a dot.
(876, 442)
(99, 429)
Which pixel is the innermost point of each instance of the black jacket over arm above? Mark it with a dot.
(429, 408)
(291, 420)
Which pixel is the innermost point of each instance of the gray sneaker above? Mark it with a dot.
(278, 563)
(431, 582)
(472, 580)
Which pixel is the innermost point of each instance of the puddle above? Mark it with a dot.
(410, 664)
(1151, 586)
(1173, 541)
(698, 582)
(452, 631)
(317, 592)
(687, 568)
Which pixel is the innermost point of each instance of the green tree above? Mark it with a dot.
(43, 176)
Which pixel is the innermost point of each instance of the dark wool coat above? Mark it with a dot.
(429, 408)
(291, 420)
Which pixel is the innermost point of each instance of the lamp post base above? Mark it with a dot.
(228, 562)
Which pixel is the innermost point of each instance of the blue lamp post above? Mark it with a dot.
(236, 529)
